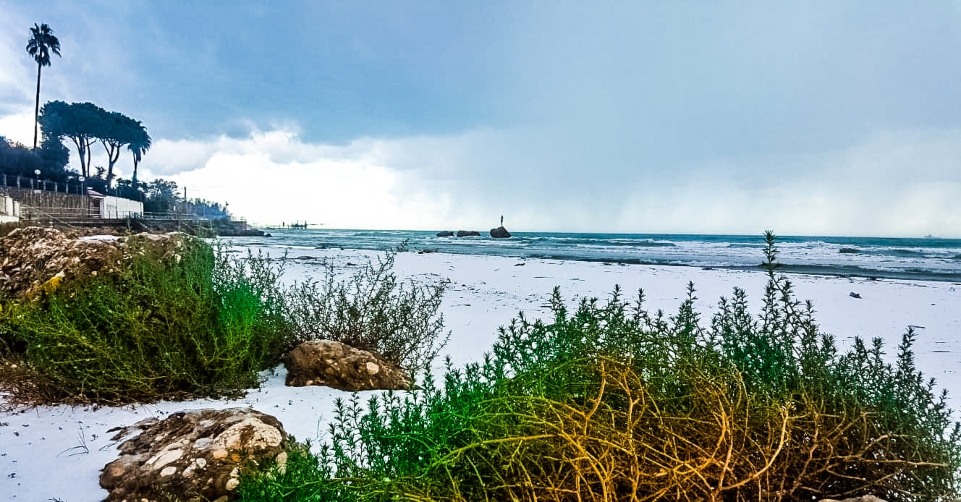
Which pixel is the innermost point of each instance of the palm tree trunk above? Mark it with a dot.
(36, 109)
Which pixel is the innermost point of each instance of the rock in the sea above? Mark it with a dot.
(445, 233)
(468, 233)
(500, 233)
(337, 365)
(34, 256)
(191, 455)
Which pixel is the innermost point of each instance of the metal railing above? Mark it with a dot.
(68, 217)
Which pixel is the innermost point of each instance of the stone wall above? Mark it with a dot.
(47, 200)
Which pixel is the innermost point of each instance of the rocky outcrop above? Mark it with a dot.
(230, 228)
(445, 233)
(500, 233)
(337, 365)
(35, 259)
(192, 455)
(468, 233)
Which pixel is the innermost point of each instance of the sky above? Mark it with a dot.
(807, 118)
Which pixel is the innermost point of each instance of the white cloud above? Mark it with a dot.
(18, 75)
(273, 177)
(898, 183)
(18, 127)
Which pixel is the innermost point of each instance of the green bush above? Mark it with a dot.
(609, 402)
(201, 324)
(372, 310)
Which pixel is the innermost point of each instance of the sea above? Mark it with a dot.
(928, 258)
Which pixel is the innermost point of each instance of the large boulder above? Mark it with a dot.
(500, 233)
(192, 455)
(337, 365)
(34, 259)
(445, 233)
(468, 233)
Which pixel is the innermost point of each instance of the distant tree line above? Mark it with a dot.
(51, 159)
(84, 125)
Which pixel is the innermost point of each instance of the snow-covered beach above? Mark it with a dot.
(57, 452)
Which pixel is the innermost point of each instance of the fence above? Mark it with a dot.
(58, 214)
(27, 183)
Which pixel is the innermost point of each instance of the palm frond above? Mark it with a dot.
(41, 43)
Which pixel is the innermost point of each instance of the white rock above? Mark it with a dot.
(165, 457)
(240, 436)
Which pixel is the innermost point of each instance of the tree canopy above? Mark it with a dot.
(86, 123)
(115, 131)
(77, 121)
(139, 144)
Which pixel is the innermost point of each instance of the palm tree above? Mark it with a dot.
(138, 146)
(41, 43)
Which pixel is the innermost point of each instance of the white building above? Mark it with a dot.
(9, 210)
(116, 208)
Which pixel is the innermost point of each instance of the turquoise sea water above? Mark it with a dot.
(898, 258)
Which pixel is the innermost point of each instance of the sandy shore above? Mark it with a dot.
(56, 453)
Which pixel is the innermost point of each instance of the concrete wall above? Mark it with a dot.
(115, 208)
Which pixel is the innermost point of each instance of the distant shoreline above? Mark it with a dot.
(210, 228)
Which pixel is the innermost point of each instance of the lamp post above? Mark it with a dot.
(37, 172)
(83, 188)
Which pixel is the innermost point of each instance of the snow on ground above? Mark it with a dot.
(55, 453)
